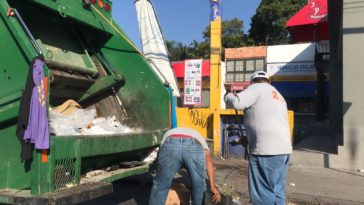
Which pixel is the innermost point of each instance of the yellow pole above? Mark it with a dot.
(215, 64)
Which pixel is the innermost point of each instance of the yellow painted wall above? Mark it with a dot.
(197, 118)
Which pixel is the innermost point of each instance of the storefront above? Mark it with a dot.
(293, 72)
(310, 24)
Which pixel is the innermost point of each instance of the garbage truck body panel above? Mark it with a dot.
(90, 60)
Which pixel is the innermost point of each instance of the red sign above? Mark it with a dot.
(310, 23)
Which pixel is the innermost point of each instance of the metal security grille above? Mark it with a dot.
(64, 172)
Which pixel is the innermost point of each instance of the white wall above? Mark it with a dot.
(291, 53)
(222, 88)
(291, 62)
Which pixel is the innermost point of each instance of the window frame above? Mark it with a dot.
(244, 71)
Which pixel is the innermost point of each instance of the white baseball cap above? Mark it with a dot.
(260, 74)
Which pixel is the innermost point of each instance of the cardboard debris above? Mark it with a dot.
(178, 195)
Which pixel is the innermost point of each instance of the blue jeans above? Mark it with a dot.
(267, 179)
(173, 154)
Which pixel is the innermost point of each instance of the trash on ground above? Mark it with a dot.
(94, 173)
(70, 185)
(152, 156)
(131, 164)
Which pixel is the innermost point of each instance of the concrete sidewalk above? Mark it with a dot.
(325, 186)
(304, 185)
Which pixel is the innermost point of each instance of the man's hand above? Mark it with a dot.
(216, 195)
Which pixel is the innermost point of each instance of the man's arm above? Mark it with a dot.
(216, 197)
(243, 99)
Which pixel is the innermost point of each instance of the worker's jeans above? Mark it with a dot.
(267, 179)
(173, 154)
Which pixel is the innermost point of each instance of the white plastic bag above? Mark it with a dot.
(70, 124)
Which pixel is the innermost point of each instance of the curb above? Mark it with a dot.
(319, 200)
(304, 199)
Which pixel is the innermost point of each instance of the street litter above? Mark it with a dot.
(94, 173)
(236, 201)
(70, 185)
(152, 156)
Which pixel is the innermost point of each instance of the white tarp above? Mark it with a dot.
(153, 44)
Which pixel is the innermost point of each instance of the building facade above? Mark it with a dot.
(346, 61)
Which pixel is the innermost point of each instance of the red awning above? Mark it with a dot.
(179, 68)
(310, 23)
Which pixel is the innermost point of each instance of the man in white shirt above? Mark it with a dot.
(266, 123)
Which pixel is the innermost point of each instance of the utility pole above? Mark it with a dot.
(215, 54)
(215, 69)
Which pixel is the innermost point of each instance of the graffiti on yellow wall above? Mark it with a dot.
(200, 118)
(197, 118)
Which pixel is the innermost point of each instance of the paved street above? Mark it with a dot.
(230, 177)
(126, 192)
(305, 185)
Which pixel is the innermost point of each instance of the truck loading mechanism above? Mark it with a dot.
(88, 59)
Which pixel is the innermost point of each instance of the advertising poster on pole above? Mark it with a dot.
(193, 83)
(215, 11)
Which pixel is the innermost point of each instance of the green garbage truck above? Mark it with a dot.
(91, 66)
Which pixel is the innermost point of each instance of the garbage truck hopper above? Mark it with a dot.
(106, 108)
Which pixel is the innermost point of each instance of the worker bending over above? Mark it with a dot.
(184, 147)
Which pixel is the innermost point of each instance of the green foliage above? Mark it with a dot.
(232, 34)
(232, 37)
(177, 51)
(269, 22)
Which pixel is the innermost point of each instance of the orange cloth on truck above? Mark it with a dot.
(67, 107)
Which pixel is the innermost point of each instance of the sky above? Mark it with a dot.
(182, 20)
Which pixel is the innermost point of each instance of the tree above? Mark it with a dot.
(199, 50)
(232, 37)
(232, 34)
(269, 23)
(177, 51)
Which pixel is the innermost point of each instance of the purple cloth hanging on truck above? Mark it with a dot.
(37, 131)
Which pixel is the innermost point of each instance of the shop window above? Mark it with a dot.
(239, 65)
(250, 65)
(259, 64)
(239, 77)
(242, 70)
(247, 76)
(230, 77)
(230, 66)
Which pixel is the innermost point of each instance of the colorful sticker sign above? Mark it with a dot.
(215, 11)
(193, 82)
